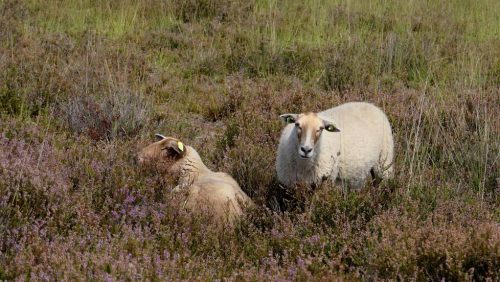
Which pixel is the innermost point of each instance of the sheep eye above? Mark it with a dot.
(298, 125)
(169, 151)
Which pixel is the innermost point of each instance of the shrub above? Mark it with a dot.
(121, 114)
(33, 184)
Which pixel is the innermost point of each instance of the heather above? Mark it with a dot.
(85, 84)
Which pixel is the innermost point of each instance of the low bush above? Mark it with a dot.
(120, 114)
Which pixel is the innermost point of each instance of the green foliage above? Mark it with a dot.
(85, 84)
(11, 101)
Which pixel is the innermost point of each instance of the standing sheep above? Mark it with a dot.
(216, 192)
(358, 141)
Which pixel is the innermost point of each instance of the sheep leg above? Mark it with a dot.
(376, 178)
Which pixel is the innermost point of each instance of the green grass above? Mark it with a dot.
(74, 76)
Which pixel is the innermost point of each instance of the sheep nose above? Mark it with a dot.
(138, 160)
(306, 149)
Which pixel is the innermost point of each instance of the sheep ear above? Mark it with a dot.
(330, 127)
(176, 147)
(159, 137)
(289, 118)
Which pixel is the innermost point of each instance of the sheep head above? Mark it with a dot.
(167, 151)
(308, 129)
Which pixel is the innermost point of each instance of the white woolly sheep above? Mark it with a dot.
(358, 141)
(217, 192)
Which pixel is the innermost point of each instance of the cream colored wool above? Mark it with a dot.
(216, 192)
(363, 145)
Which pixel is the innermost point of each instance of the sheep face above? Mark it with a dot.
(168, 151)
(308, 129)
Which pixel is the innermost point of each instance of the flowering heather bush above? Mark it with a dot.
(85, 84)
(118, 115)
(33, 182)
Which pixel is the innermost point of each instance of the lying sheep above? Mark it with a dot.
(216, 192)
(344, 144)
